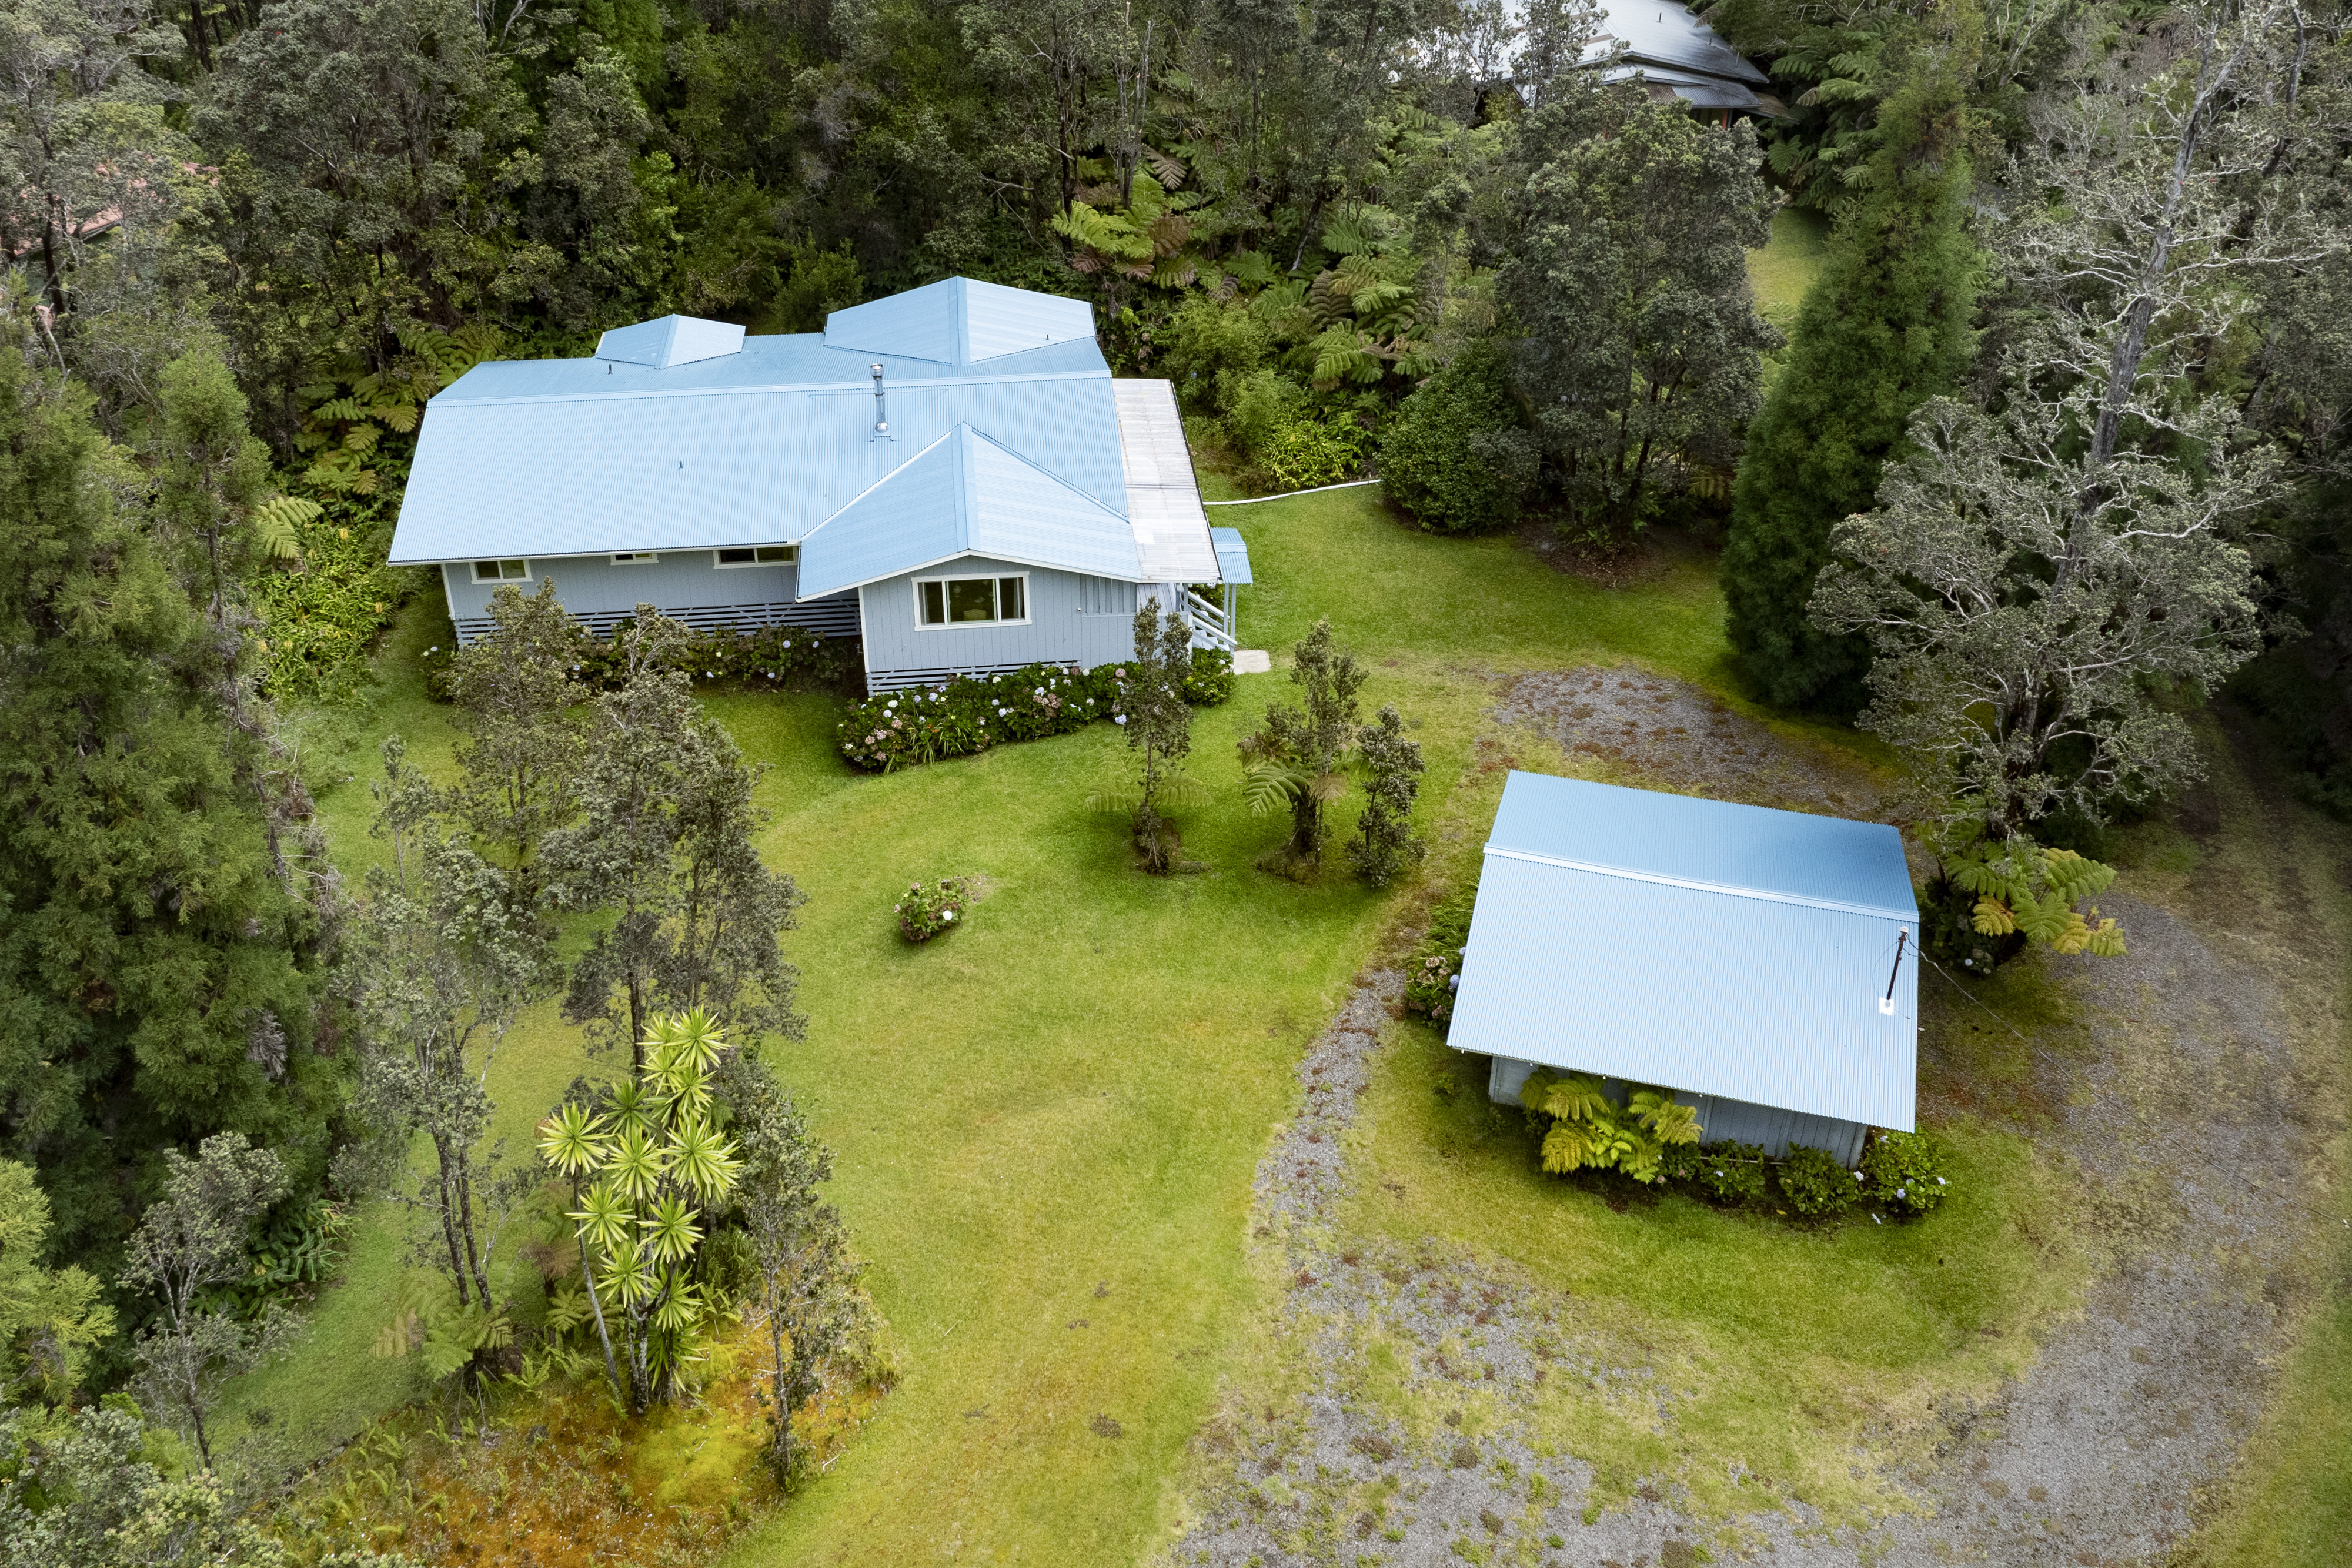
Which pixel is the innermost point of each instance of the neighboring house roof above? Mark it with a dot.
(1697, 945)
(959, 321)
(965, 495)
(1679, 55)
(686, 434)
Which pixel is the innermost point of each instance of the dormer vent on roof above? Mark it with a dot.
(670, 340)
(959, 321)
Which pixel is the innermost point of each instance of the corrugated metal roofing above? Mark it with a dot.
(552, 457)
(1695, 944)
(960, 321)
(1163, 498)
(670, 340)
(1232, 555)
(965, 495)
(1664, 33)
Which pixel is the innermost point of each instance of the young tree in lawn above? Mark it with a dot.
(808, 1276)
(50, 1318)
(1384, 844)
(189, 1240)
(444, 958)
(523, 748)
(1637, 346)
(1158, 724)
(664, 839)
(1300, 756)
(1886, 328)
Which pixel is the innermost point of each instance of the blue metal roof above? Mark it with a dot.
(1232, 555)
(671, 340)
(965, 495)
(553, 457)
(1695, 944)
(960, 321)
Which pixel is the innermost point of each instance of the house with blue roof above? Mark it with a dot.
(1759, 964)
(951, 474)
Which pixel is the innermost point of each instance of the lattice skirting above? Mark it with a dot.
(835, 617)
(899, 680)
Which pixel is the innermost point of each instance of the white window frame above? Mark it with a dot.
(502, 577)
(635, 558)
(1028, 605)
(792, 557)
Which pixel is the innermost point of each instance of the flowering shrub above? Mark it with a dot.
(930, 908)
(1730, 1172)
(1815, 1183)
(1904, 1171)
(969, 713)
(1433, 973)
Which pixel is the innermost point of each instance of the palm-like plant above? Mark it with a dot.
(653, 1165)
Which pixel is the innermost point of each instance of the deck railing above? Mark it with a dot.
(1210, 624)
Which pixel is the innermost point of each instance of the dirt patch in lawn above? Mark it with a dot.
(2193, 1087)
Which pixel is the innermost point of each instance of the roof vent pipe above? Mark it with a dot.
(881, 410)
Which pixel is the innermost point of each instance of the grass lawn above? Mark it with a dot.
(1785, 268)
(1046, 1124)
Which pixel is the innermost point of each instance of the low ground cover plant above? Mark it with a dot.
(931, 907)
(1433, 973)
(970, 713)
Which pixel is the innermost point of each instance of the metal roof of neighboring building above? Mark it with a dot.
(1677, 53)
(1163, 497)
(965, 495)
(670, 340)
(555, 457)
(960, 321)
(1695, 944)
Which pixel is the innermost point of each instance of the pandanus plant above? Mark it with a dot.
(645, 1167)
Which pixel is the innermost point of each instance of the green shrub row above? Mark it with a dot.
(1902, 1173)
(969, 713)
(772, 658)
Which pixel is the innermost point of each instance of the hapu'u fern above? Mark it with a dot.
(1589, 1130)
(2022, 888)
(278, 525)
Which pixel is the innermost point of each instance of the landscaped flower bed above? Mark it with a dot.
(895, 729)
(930, 908)
(770, 658)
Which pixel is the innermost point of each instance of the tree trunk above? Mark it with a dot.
(603, 1336)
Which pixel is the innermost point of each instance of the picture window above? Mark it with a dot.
(942, 601)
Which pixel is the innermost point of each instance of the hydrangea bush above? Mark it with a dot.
(1433, 973)
(930, 908)
(1905, 1171)
(772, 658)
(969, 714)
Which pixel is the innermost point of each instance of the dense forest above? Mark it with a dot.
(2048, 459)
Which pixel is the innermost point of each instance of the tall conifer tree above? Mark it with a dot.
(154, 967)
(1884, 329)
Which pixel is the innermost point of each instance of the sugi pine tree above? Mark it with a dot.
(1884, 329)
(156, 971)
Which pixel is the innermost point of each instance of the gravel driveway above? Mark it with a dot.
(2195, 1122)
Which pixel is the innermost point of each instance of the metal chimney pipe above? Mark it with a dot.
(881, 410)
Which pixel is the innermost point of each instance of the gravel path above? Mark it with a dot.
(2192, 1124)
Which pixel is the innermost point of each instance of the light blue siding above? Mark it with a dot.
(900, 651)
(686, 585)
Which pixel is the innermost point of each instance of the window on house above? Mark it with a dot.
(502, 572)
(758, 555)
(972, 601)
(635, 558)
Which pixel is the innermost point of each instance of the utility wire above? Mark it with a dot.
(1964, 991)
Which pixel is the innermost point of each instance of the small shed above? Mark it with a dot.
(1758, 963)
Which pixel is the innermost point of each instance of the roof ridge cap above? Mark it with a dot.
(1699, 884)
